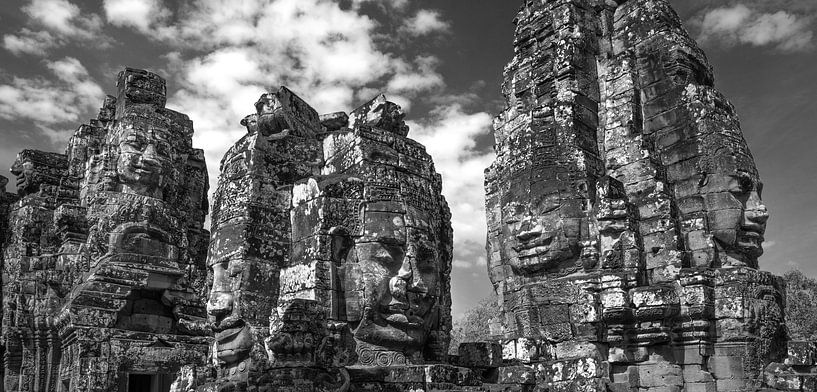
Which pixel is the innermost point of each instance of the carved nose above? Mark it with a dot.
(398, 285)
(757, 212)
(759, 216)
(220, 305)
(150, 156)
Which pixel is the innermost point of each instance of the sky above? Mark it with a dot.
(441, 60)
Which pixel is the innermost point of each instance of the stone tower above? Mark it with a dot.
(104, 263)
(331, 252)
(624, 211)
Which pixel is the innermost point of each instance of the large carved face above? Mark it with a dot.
(401, 266)
(736, 214)
(234, 339)
(541, 232)
(145, 155)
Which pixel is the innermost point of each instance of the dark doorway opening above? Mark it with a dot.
(141, 382)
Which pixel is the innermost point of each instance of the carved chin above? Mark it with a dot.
(750, 244)
(234, 344)
(745, 243)
(394, 330)
(141, 181)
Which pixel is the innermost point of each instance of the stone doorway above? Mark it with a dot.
(146, 382)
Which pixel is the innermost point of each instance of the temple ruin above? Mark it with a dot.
(104, 259)
(625, 226)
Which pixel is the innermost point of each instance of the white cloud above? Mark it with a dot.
(425, 22)
(462, 264)
(397, 5)
(48, 103)
(52, 24)
(411, 80)
(29, 42)
(223, 54)
(64, 17)
(450, 137)
(139, 14)
(226, 53)
(740, 24)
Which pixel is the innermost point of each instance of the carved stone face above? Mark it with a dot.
(401, 268)
(736, 214)
(541, 235)
(24, 172)
(234, 340)
(270, 118)
(145, 155)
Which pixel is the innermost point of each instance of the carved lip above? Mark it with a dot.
(751, 236)
(402, 314)
(750, 241)
(229, 333)
(145, 169)
(401, 319)
(753, 229)
(523, 253)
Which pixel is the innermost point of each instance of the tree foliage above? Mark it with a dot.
(801, 306)
(473, 326)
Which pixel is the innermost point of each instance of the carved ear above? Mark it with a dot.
(342, 243)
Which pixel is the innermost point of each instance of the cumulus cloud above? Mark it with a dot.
(52, 24)
(29, 42)
(226, 53)
(739, 24)
(425, 22)
(65, 18)
(449, 135)
(139, 14)
(50, 102)
(223, 54)
(412, 79)
(386, 5)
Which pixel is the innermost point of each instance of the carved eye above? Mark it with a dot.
(426, 258)
(235, 269)
(741, 184)
(162, 150)
(135, 142)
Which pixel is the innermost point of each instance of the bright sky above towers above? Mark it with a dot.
(441, 59)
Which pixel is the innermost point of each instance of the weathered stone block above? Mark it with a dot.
(571, 370)
(480, 354)
(801, 353)
(516, 375)
(726, 367)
